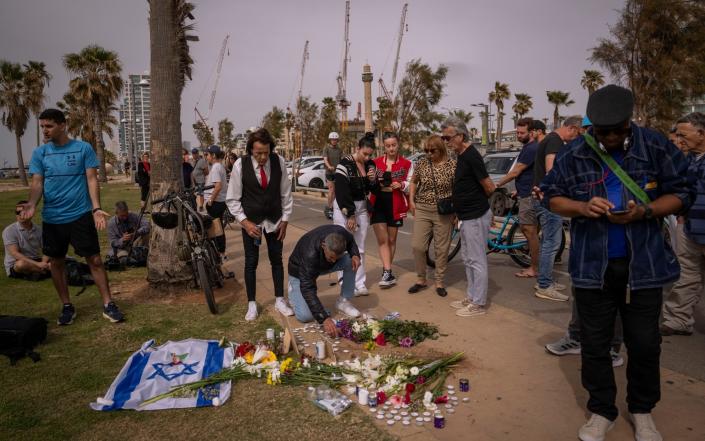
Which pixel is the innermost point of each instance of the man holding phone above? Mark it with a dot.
(616, 181)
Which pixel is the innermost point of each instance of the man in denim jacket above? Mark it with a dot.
(619, 260)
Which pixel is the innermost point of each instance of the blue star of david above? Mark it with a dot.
(187, 369)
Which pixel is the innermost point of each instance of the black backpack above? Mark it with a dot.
(78, 274)
(19, 335)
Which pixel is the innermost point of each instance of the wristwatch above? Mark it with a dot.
(648, 213)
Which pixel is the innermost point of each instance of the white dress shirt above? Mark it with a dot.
(234, 196)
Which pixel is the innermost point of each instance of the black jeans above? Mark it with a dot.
(216, 210)
(274, 249)
(640, 320)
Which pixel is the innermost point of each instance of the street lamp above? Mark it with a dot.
(485, 122)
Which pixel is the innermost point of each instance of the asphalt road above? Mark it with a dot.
(685, 355)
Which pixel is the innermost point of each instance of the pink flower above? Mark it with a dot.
(396, 400)
(406, 342)
(420, 379)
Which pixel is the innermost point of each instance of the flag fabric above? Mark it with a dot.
(154, 370)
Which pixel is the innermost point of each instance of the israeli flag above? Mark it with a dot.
(154, 370)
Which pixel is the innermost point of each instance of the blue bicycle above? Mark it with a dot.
(507, 239)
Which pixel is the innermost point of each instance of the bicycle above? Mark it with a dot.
(197, 249)
(512, 243)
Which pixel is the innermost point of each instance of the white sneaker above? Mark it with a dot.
(361, 292)
(595, 429)
(471, 310)
(251, 311)
(557, 286)
(460, 304)
(343, 305)
(281, 306)
(551, 293)
(644, 427)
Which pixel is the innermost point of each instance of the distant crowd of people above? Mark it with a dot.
(616, 181)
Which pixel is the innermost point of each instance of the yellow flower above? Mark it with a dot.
(269, 379)
(269, 358)
(248, 357)
(286, 365)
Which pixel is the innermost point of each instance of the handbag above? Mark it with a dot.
(443, 205)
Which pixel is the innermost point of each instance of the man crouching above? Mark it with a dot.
(322, 251)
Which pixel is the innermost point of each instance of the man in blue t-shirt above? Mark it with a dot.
(523, 173)
(64, 172)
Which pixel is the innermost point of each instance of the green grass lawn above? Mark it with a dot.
(49, 400)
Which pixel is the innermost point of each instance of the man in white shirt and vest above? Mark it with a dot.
(259, 196)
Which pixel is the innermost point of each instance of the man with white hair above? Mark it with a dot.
(331, 157)
(471, 188)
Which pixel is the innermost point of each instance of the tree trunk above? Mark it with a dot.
(556, 117)
(498, 136)
(20, 160)
(37, 121)
(99, 144)
(164, 266)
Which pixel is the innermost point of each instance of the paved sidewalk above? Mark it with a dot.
(518, 391)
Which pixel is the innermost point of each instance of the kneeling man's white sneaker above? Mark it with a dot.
(281, 306)
(595, 429)
(251, 311)
(644, 427)
(343, 305)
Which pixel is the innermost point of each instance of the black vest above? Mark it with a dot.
(257, 202)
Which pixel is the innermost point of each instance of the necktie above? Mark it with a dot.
(263, 176)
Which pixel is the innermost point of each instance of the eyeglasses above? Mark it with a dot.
(619, 131)
(447, 138)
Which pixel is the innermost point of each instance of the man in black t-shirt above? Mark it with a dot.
(551, 224)
(471, 188)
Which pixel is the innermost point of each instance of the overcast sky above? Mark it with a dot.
(533, 46)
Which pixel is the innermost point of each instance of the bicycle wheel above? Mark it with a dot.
(204, 281)
(452, 250)
(520, 254)
(215, 273)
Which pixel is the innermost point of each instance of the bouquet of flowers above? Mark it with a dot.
(404, 333)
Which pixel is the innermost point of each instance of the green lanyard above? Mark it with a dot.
(618, 171)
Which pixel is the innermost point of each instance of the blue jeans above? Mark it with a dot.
(551, 230)
(296, 299)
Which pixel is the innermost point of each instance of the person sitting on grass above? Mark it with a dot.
(126, 230)
(323, 250)
(23, 249)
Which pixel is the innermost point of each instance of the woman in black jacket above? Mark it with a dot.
(144, 169)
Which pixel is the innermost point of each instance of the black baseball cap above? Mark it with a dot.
(610, 106)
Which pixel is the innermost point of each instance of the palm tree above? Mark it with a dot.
(522, 106)
(169, 37)
(79, 118)
(558, 98)
(464, 116)
(592, 80)
(498, 95)
(38, 78)
(14, 91)
(97, 81)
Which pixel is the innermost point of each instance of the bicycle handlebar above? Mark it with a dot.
(187, 191)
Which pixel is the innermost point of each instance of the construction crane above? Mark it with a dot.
(304, 58)
(341, 97)
(219, 66)
(389, 93)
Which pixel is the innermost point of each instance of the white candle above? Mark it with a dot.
(362, 396)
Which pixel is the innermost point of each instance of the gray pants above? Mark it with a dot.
(686, 292)
(574, 327)
(473, 236)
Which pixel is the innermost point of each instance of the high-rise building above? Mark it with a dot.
(135, 117)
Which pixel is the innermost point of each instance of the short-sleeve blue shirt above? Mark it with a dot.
(525, 180)
(66, 196)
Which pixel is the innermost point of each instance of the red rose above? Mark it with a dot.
(410, 388)
(243, 348)
(380, 340)
(420, 379)
(381, 397)
(442, 399)
(407, 398)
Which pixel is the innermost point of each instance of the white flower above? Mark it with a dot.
(427, 398)
(239, 361)
(414, 371)
(349, 378)
(356, 327)
(216, 401)
(306, 363)
(260, 353)
(275, 375)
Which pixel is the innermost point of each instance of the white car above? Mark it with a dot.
(313, 176)
(305, 162)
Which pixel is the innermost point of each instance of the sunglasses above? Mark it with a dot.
(429, 151)
(447, 138)
(17, 213)
(619, 131)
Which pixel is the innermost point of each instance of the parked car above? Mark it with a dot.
(498, 165)
(305, 161)
(313, 176)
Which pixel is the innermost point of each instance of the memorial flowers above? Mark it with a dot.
(403, 333)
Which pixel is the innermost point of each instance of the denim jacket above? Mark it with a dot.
(659, 168)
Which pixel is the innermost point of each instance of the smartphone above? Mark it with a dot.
(618, 212)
